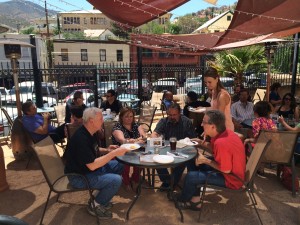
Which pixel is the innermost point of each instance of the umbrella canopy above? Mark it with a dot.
(15, 42)
(253, 18)
(135, 13)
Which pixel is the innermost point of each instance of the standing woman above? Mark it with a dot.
(128, 131)
(221, 99)
(77, 103)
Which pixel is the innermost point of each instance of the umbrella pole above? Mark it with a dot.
(16, 83)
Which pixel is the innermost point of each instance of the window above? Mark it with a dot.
(119, 55)
(147, 53)
(64, 54)
(102, 55)
(228, 18)
(85, 20)
(84, 55)
(25, 53)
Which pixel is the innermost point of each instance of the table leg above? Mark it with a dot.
(171, 194)
(138, 193)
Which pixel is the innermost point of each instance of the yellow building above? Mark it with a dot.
(219, 23)
(90, 52)
(84, 20)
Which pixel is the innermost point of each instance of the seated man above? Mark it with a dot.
(167, 99)
(111, 102)
(102, 172)
(228, 157)
(175, 125)
(242, 110)
(39, 125)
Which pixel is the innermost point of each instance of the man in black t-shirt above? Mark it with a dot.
(111, 102)
(102, 172)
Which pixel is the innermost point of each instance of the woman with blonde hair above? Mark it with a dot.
(221, 99)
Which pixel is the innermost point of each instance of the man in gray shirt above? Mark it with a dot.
(175, 125)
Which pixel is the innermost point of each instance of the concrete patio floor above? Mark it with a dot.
(28, 191)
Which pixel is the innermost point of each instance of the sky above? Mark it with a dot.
(68, 5)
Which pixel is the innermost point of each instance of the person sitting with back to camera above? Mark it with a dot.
(38, 125)
(111, 102)
(128, 131)
(77, 103)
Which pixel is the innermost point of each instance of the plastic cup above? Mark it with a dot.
(108, 111)
(173, 142)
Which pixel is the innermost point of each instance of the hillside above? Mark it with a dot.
(20, 13)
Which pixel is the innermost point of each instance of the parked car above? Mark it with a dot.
(27, 92)
(104, 86)
(166, 84)
(132, 88)
(4, 94)
(84, 91)
(64, 91)
(227, 82)
(192, 81)
(256, 80)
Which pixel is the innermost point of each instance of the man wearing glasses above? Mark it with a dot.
(228, 157)
(111, 102)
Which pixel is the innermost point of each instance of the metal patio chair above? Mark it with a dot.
(53, 170)
(251, 169)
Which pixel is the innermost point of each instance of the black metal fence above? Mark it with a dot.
(123, 78)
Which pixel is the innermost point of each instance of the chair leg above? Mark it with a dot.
(202, 195)
(252, 198)
(44, 211)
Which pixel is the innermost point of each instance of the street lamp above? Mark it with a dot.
(12, 50)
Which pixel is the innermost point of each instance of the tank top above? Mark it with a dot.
(285, 114)
(227, 112)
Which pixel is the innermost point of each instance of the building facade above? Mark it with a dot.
(83, 20)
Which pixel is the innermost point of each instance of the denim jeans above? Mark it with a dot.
(195, 178)
(165, 177)
(106, 179)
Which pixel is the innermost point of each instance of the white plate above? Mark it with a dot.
(163, 159)
(131, 146)
(188, 142)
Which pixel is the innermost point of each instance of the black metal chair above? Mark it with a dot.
(146, 117)
(251, 168)
(53, 170)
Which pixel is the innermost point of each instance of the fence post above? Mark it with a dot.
(140, 74)
(295, 63)
(36, 75)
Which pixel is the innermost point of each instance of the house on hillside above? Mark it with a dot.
(217, 24)
(103, 34)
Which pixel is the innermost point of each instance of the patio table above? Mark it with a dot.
(133, 159)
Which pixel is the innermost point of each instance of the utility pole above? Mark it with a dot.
(48, 38)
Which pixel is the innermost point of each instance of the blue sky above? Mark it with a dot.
(67, 5)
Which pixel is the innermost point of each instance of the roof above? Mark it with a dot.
(94, 33)
(212, 21)
(93, 11)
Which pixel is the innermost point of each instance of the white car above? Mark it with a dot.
(3, 93)
(27, 92)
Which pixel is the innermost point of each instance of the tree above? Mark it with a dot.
(74, 35)
(188, 23)
(29, 30)
(120, 32)
(174, 29)
(239, 60)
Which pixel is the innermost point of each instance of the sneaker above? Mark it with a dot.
(101, 211)
(108, 206)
